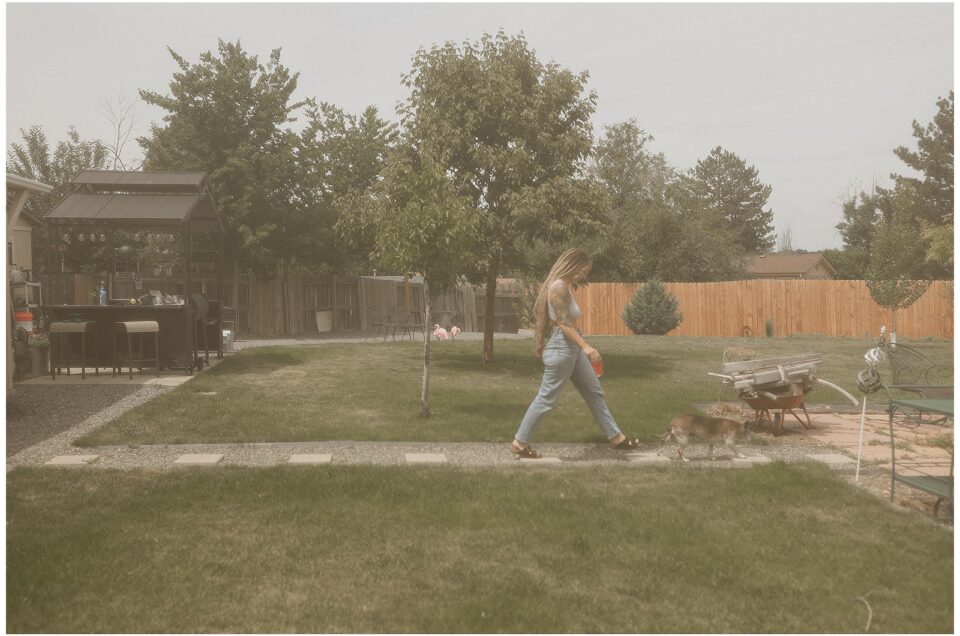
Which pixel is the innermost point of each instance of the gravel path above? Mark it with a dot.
(38, 412)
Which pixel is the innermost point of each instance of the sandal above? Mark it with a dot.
(628, 443)
(526, 452)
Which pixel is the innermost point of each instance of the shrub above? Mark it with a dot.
(652, 311)
(768, 328)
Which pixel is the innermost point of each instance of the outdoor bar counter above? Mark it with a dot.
(176, 350)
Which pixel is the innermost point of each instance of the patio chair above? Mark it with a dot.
(204, 320)
(914, 372)
(381, 322)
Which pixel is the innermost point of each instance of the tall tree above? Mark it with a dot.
(861, 214)
(512, 134)
(729, 191)
(933, 159)
(636, 181)
(34, 160)
(228, 115)
(419, 223)
(342, 156)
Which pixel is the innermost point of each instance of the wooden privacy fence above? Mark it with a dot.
(826, 307)
(288, 306)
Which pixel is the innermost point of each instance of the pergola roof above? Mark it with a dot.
(117, 180)
(137, 198)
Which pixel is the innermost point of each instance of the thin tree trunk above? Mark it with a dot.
(236, 295)
(425, 383)
(490, 311)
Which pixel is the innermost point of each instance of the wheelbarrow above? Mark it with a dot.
(777, 386)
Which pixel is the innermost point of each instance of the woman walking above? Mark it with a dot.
(566, 355)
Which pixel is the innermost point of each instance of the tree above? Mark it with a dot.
(33, 160)
(512, 134)
(342, 156)
(785, 241)
(122, 116)
(652, 311)
(636, 182)
(729, 191)
(420, 223)
(933, 159)
(227, 115)
(861, 214)
(896, 258)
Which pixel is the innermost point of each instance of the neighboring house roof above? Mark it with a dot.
(787, 264)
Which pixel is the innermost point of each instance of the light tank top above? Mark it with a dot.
(573, 310)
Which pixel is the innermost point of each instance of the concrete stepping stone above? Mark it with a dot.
(72, 460)
(834, 460)
(199, 459)
(647, 458)
(314, 458)
(750, 460)
(525, 461)
(426, 458)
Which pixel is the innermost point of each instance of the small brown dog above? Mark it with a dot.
(710, 429)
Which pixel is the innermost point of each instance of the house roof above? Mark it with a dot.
(137, 198)
(796, 264)
(22, 183)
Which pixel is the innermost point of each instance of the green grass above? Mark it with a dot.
(777, 548)
(371, 391)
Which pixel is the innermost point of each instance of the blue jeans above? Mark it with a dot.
(562, 361)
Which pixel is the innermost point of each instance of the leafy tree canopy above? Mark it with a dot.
(895, 271)
(34, 160)
(227, 115)
(512, 134)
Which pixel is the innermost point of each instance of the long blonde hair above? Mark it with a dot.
(568, 264)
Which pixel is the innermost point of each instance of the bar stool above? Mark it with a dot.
(60, 334)
(139, 328)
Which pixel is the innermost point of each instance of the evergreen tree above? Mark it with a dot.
(730, 193)
(652, 311)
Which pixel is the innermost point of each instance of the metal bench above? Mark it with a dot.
(925, 475)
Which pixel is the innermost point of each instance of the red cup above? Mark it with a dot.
(598, 367)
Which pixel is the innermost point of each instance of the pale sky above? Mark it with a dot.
(815, 96)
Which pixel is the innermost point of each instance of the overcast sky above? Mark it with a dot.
(816, 96)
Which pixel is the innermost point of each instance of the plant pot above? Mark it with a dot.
(41, 361)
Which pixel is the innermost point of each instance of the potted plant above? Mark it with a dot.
(40, 348)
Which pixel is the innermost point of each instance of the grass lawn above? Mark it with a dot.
(777, 548)
(371, 391)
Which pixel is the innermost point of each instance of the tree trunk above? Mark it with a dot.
(425, 383)
(236, 296)
(490, 311)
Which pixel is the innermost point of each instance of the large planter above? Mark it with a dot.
(41, 361)
(324, 321)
